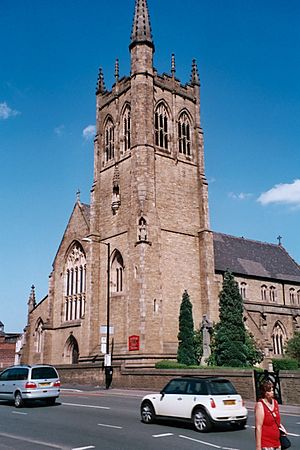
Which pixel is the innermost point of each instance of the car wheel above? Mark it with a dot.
(50, 401)
(240, 425)
(19, 402)
(201, 420)
(147, 413)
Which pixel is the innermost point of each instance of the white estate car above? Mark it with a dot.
(204, 401)
(22, 383)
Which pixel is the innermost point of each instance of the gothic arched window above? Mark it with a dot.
(278, 339)
(292, 296)
(39, 338)
(109, 141)
(243, 290)
(127, 129)
(184, 135)
(263, 291)
(117, 273)
(161, 126)
(298, 297)
(75, 283)
(272, 293)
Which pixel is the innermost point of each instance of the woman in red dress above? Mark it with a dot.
(267, 419)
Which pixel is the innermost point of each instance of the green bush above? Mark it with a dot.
(169, 365)
(166, 364)
(285, 364)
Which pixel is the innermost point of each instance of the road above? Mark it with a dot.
(109, 420)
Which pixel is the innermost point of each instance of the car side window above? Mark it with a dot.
(12, 375)
(4, 375)
(176, 387)
(21, 374)
(197, 388)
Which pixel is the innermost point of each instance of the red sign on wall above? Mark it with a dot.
(134, 342)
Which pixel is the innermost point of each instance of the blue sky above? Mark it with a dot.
(50, 52)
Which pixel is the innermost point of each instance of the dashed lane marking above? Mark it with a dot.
(84, 448)
(162, 435)
(19, 412)
(109, 426)
(85, 406)
(72, 390)
(200, 442)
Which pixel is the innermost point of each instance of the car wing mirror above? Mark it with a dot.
(162, 394)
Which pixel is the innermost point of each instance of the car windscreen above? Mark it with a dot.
(39, 373)
(221, 387)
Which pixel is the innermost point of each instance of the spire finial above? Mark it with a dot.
(195, 80)
(31, 301)
(173, 65)
(117, 70)
(78, 195)
(279, 239)
(141, 28)
(100, 83)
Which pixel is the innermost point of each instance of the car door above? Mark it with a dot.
(172, 399)
(4, 385)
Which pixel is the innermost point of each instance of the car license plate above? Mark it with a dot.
(229, 402)
(44, 384)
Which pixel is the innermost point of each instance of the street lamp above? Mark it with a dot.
(107, 357)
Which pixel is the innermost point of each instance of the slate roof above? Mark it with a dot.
(254, 258)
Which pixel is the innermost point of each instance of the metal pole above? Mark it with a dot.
(108, 367)
(108, 299)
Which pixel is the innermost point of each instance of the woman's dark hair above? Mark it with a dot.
(265, 387)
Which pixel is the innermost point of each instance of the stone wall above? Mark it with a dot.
(155, 380)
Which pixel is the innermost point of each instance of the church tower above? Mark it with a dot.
(149, 201)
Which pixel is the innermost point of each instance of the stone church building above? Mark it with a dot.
(147, 232)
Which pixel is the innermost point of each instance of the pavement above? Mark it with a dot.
(139, 393)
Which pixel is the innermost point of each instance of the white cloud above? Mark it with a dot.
(59, 130)
(89, 132)
(240, 196)
(6, 111)
(282, 193)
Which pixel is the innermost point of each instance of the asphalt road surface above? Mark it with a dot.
(110, 420)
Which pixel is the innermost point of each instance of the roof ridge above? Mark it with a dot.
(249, 239)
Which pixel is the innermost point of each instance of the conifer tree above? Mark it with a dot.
(230, 346)
(186, 353)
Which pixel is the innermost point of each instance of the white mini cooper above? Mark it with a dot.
(203, 401)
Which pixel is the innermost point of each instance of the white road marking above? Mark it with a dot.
(32, 441)
(200, 442)
(293, 434)
(85, 406)
(72, 390)
(162, 435)
(18, 412)
(109, 426)
(84, 448)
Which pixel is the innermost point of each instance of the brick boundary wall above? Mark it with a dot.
(155, 379)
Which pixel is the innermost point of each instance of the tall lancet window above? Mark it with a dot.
(117, 273)
(126, 129)
(161, 126)
(184, 135)
(109, 143)
(75, 284)
(278, 338)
